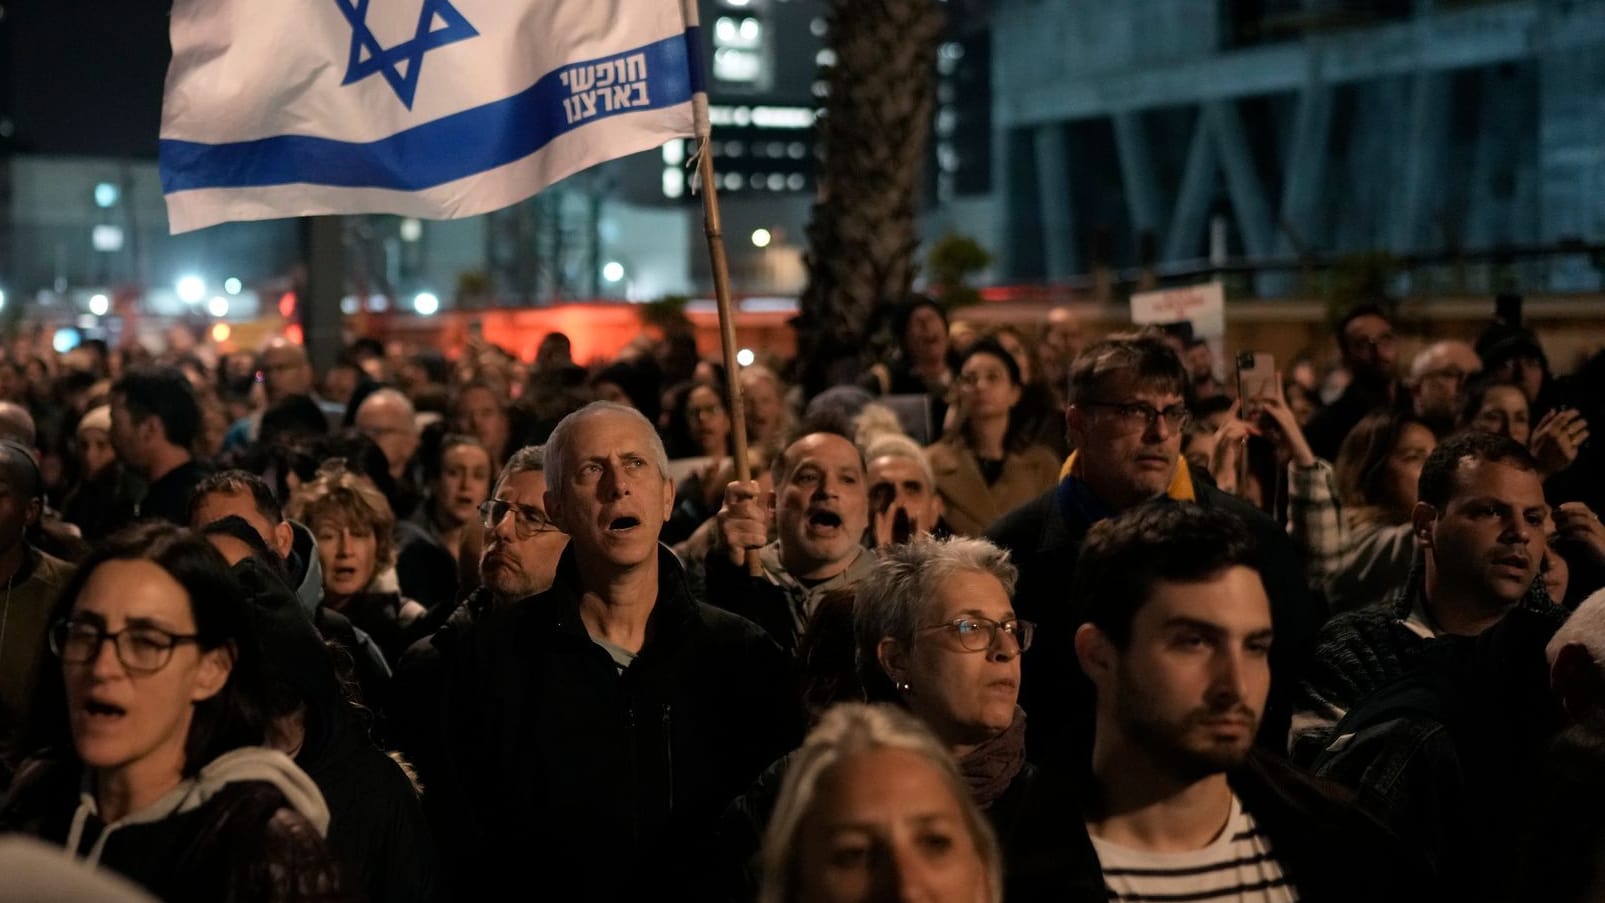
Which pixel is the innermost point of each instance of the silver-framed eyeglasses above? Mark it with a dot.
(527, 519)
(141, 648)
(1140, 415)
(980, 634)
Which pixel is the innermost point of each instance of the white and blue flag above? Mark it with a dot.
(428, 108)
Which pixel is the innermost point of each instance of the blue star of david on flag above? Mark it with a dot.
(439, 24)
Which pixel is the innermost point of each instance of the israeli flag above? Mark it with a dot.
(427, 108)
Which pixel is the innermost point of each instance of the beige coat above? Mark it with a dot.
(971, 505)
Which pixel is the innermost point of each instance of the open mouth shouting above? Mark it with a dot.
(102, 712)
(824, 522)
(623, 525)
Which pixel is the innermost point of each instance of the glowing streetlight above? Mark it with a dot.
(745, 357)
(761, 238)
(218, 306)
(191, 289)
(612, 271)
(99, 305)
(426, 303)
(232, 285)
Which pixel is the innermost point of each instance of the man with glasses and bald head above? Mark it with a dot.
(1125, 419)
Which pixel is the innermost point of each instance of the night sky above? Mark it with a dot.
(83, 76)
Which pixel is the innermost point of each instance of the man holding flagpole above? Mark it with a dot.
(452, 108)
(448, 109)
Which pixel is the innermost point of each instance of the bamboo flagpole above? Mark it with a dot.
(713, 228)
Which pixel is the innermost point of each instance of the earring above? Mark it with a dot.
(902, 687)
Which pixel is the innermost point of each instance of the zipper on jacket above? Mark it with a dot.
(668, 751)
(635, 775)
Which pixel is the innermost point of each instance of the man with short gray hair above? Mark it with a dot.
(599, 727)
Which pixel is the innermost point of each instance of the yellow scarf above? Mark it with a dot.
(1181, 485)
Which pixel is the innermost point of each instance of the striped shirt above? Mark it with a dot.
(1238, 866)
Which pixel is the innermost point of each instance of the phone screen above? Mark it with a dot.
(1256, 378)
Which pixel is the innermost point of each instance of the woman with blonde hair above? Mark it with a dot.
(354, 529)
(873, 808)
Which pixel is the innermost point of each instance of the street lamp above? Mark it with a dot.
(191, 289)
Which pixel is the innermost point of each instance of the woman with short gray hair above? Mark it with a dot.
(936, 633)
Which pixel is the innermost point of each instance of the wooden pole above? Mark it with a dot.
(713, 227)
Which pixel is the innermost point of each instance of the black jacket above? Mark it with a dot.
(416, 715)
(168, 498)
(425, 569)
(1044, 540)
(1332, 424)
(376, 821)
(1438, 754)
(608, 784)
(1361, 653)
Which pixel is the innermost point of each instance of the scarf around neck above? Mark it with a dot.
(991, 767)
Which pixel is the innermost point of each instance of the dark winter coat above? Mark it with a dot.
(1044, 539)
(559, 768)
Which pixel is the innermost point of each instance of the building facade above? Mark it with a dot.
(1174, 133)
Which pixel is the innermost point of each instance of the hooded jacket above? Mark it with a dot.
(248, 826)
(306, 569)
(559, 764)
(306, 578)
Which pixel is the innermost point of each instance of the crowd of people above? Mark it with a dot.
(1024, 614)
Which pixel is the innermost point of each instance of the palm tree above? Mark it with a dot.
(871, 138)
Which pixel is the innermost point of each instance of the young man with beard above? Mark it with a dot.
(1176, 638)
(820, 508)
(595, 731)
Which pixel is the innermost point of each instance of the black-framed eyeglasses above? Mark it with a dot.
(981, 634)
(527, 520)
(1139, 415)
(143, 649)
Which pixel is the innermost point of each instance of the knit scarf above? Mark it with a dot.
(991, 767)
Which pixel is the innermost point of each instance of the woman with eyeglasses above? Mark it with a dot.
(936, 634)
(458, 476)
(148, 735)
(987, 464)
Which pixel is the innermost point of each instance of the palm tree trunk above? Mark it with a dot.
(872, 139)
